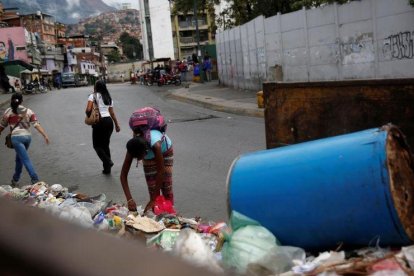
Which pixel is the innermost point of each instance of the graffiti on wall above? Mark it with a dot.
(6, 50)
(399, 46)
(358, 49)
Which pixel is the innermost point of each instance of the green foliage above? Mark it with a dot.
(114, 56)
(298, 4)
(131, 45)
(186, 6)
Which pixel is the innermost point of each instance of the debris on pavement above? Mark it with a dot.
(243, 247)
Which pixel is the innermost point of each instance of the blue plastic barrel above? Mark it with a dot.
(322, 193)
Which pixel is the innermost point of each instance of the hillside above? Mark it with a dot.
(64, 11)
(110, 24)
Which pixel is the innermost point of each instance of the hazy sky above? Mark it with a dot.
(134, 3)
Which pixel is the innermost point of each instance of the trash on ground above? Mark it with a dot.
(244, 246)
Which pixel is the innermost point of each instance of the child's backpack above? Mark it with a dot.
(146, 119)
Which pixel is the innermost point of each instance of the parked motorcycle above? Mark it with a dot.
(40, 88)
(148, 79)
(34, 87)
(28, 88)
(169, 79)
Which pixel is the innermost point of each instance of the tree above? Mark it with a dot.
(186, 6)
(131, 46)
(114, 56)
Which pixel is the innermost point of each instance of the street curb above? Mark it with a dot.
(217, 104)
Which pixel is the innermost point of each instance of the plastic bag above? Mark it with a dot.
(163, 205)
(165, 239)
(191, 247)
(248, 243)
(93, 208)
(78, 215)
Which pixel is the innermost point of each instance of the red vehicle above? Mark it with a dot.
(169, 79)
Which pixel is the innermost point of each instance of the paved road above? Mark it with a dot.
(205, 144)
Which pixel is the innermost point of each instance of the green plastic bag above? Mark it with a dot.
(248, 243)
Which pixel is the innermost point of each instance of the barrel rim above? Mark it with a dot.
(228, 185)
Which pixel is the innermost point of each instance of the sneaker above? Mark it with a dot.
(14, 183)
(34, 181)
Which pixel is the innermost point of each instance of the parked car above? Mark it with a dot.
(70, 79)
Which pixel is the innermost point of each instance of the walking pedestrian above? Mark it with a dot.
(182, 68)
(102, 131)
(19, 118)
(157, 156)
(207, 66)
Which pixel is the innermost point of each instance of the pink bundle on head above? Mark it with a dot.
(145, 119)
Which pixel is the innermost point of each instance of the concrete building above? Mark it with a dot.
(156, 27)
(185, 34)
(42, 24)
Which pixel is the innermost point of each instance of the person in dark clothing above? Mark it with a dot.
(194, 58)
(4, 80)
(102, 131)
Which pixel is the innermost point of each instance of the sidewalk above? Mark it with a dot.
(220, 98)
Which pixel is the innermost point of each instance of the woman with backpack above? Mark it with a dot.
(151, 145)
(102, 131)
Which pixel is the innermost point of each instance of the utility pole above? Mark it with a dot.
(101, 57)
(198, 40)
(197, 30)
(33, 48)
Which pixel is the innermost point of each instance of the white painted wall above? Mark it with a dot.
(160, 27)
(144, 40)
(368, 39)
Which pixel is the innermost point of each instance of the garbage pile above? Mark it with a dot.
(243, 247)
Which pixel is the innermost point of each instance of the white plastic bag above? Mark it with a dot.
(191, 247)
(78, 215)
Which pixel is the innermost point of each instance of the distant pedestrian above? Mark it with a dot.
(207, 68)
(16, 84)
(182, 68)
(196, 73)
(194, 58)
(57, 82)
(102, 131)
(19, 118)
